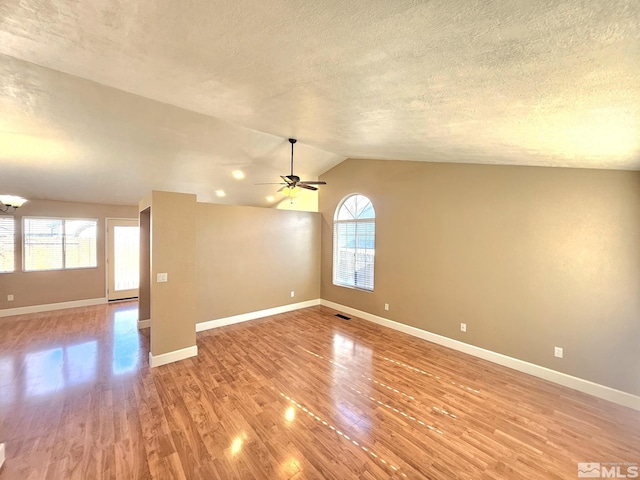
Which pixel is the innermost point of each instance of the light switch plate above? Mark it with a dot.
(161, 277)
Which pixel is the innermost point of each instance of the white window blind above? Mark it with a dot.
(7, 244)
(354, 231)
(57, 243)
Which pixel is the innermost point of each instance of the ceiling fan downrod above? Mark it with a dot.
(292, 141)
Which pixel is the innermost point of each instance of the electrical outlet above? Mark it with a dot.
(161, 277)
(9, 298)
(463, 327)
(558, 352)
(293, 294)
(386, 306)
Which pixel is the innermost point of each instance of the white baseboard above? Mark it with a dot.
(144, 324)
(1, 454)
(222, 322)
(586, 386)
(48, 307)
(170, 357)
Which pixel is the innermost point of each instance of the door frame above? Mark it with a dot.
(106, 251)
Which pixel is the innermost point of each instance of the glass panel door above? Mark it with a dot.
(123, 258)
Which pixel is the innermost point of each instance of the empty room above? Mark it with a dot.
(322, 240)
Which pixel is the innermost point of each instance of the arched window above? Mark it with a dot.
(354, 240)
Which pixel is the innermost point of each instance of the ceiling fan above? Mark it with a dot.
(292, 184)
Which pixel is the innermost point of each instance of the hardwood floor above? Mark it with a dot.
(293, 396)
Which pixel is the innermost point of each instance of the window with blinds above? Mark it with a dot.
(7, 244)
(354, 232)
(58, 243)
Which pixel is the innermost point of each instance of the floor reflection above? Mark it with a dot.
(344, 353)
(290, 414)
(65, 361)
(7, 374)
(126, 344)
(47, 371)
(342, 435)
(43, 371)
(289, 467)
(81, 362)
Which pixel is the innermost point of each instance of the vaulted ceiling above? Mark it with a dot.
(103, 101)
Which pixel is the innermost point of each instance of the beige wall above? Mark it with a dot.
(252, 258)
(530, 258)
(37, 288)
(173, 303)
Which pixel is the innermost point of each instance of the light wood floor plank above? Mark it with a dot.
(301, 395)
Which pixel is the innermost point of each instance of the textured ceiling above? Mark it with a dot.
(552, 83)
(66, 138)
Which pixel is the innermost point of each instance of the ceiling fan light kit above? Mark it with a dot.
(291, 184)
(10, 203)
(291, 192)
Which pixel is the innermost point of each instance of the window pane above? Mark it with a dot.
(126, 243)
(54, 243)
(365, 254)
(355, 207)
(348, 209)
(80, 243)
(7, 244)
(344, 253)
(365, 210)
(42, 244)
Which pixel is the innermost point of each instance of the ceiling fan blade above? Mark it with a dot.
(308, 187)
(286, 179)
(313, 183)
(271, 183)
(293, 178)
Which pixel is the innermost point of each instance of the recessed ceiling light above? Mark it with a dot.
(270, 198)
(238, 174)
(221, 193)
